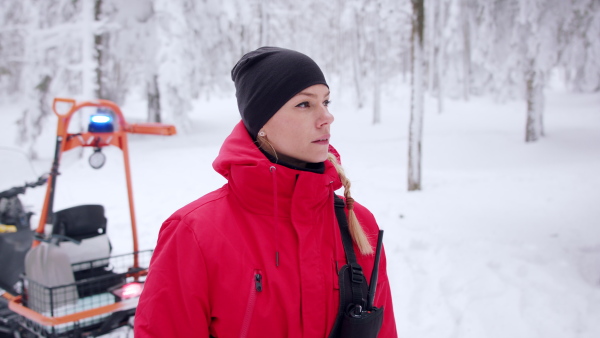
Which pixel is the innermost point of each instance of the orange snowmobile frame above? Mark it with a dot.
(66, 141)
(118, 138)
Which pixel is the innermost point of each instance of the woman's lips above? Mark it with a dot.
(323, 140)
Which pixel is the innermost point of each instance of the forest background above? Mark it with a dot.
(173, 52)
(503, 239)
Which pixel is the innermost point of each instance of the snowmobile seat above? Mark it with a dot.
(89, 258)
(87, 224)
(80, 222)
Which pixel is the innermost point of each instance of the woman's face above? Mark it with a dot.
(299, 131)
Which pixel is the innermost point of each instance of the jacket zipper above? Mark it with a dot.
(255, 288)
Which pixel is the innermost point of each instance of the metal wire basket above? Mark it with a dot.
(69, 310)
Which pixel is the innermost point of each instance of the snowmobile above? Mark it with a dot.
(61, 278)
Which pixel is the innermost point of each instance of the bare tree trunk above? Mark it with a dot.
(88, 49)
(356, 61)
(31, 123)
(439, 52)
(243, 45)
(99, 48)
(429, 52)
(406, 59)
(535, 104)
(264, 23)
(466, 49)
(377, 80)
(153, 94)
(416, 112)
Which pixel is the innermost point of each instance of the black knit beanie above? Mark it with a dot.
(265, 79)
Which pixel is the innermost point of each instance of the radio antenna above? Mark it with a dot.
(375, 273)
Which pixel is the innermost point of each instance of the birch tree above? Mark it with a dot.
(101, 57)
(416, 109)
(12, 48)
(580, 46)
(436, 24)
(174, 46)
(57, 58)
(466, 23)
(537, 32)
(357, 63)
(174, 52)
(377, 64)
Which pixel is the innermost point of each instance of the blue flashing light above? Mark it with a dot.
(101, 123)
(100, 119)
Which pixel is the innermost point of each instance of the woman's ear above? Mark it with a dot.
(262, 133)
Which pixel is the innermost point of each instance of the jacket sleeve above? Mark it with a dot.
(175, 302)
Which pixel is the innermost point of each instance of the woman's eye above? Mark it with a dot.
(306, 104)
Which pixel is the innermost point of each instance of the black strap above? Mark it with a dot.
(358, 277)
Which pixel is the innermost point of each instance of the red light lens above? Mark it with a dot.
(132, 290)
(129, 290)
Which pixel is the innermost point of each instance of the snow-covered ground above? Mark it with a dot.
(503, 240)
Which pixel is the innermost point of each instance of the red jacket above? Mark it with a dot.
(214, 271)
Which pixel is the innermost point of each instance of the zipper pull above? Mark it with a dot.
(258, 282)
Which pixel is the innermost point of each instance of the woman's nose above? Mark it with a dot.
(325, 116)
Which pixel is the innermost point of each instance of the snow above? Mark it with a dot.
(503, 240)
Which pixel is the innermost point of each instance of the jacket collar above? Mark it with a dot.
(256, 181)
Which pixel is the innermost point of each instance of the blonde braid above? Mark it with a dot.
(356, 230)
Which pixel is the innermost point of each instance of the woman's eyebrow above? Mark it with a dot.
(311, 94)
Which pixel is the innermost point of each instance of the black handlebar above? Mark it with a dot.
(12, 192)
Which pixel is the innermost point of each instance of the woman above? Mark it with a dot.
(260, 256)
